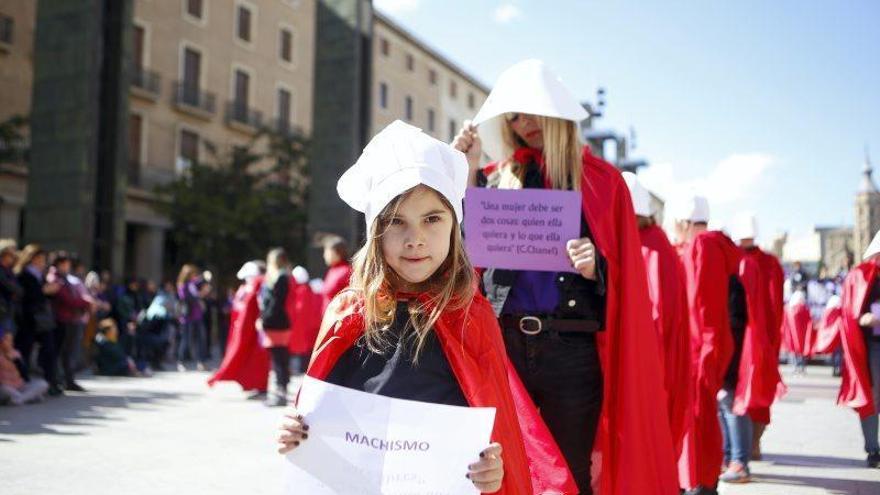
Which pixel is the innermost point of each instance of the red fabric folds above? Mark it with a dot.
(245, 361)
(634, 450)
(797, 329)
(828, 331)
(668, 294)
(855, 388)
(304, 310)
(710, 259)
(471, 340)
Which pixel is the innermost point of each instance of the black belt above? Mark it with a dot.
(533, 325)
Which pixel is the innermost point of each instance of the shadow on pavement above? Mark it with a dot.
(76, 410)
(812, 461)
(833, 486)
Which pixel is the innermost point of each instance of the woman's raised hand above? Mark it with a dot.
(293, 431)
(468, 142)
(487, 473)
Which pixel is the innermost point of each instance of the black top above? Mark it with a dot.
(872, 297)
(273, 309)
(393, 373)
(739, 317)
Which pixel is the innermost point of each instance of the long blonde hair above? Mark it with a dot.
(450, 287)
(562, 151)
(186, 273)
(276, 265)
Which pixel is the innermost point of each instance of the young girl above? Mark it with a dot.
(412, 325)
(274, 322)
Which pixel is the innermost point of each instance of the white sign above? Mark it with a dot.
(362, 443)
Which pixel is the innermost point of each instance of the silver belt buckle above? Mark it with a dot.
(522, 327)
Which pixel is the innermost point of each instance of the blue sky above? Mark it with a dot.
(764, 106)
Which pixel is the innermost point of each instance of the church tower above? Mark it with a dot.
(867, 210)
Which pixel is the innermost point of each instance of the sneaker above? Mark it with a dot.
(74, 387)
(736, 473)
(275, 401)
(55, 391)
(180, 367)
(257, 396)
(873, 459)
(200, 366)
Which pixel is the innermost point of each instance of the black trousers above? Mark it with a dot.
(563, 375)
(48, 358)
(281, 367)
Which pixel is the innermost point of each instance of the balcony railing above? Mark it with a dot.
(239, 113)
(194, 99)
(145, 82)
(286, 128)
(147, 177)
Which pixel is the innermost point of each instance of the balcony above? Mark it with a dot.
(145, 83)
(6, 30)
(286, 128)
(148, 177)
(193, 100)
(240, 116)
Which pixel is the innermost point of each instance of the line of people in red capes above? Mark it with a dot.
(247, 361)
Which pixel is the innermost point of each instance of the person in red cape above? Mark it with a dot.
(577, 340)
(828, 331)
(304, 309)
(860, 342)
(245, 361)
(711, 260)
(413, 299)
(797, 330)
(670, 310)
(338, 268)
(766, 384)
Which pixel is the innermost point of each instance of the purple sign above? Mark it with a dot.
(523, 229)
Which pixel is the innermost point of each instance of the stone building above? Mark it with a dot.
(867, 210)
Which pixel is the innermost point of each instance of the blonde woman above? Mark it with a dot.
(193, 339)
(274, 322)
(556, 326)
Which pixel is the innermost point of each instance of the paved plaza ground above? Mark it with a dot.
(171, 434)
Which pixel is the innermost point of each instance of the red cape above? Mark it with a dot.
(335, 280)
(855, 388)
(797, 329)
(773, 279)
(670, 312)
(758, 368)
(304, 309)
(709, 260)
(245, 360)
(471, 340)
(634, 449)
(828, 333)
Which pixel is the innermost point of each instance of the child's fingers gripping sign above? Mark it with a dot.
(487, 473)
(292, 431)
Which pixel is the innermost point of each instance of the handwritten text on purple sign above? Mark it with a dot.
(524, 229)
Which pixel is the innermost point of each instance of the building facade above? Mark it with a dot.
(867, 210)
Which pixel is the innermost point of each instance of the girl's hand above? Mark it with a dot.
(292, 431)
(468, 142)
(582, 253)
(487, 473)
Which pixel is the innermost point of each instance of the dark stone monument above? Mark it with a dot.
(79, 119)
(341, 116)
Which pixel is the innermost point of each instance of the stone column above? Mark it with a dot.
(149, 245)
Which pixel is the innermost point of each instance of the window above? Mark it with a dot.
(453, 129)
(286, 45)
(432, 76)
(284, 107)
(240, 91)
(383, 46)
(431, 120)
(243, 23)
(138, 48)
(195, 8)
(409, 108)
(135, 148)
(410, 62)
(471, 101)
(453, 89)
(383, 95)
(189, 149)
(192, 72)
